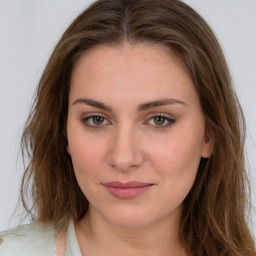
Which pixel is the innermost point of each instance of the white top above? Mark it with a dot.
(32, 240)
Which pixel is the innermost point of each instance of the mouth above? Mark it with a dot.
(127, 190)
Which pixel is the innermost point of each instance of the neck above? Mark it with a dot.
(98, 237)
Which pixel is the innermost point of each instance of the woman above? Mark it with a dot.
(136, 140)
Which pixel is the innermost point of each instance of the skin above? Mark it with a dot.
(131, 145)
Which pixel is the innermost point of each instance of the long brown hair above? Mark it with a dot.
(214, 220)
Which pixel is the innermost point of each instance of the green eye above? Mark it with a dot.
(159, 120)
(98, 120)
(95, 121)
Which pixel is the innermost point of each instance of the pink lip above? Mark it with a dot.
(127, 190)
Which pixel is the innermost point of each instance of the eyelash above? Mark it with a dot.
(85, 121)
(168, 119)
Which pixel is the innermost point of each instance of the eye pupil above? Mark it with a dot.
(98, 120)
(159, 120)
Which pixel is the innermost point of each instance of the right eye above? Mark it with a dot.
(95, 121)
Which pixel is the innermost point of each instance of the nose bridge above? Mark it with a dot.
(125, 153)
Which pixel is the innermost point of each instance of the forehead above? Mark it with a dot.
(139, 71)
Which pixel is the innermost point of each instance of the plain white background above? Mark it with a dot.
(30, 29)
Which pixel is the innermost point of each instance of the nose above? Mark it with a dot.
(125, 152)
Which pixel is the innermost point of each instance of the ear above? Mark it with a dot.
(67, 148)
(208, 144)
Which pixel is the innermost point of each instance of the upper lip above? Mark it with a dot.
(130, 184)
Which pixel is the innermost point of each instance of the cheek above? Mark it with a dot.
(176, 160)
(177, 169)
(176, 151)
(87, 163)
(87, 153)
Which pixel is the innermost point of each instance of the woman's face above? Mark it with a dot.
(136, 133)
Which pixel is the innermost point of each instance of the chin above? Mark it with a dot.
(130, 223)
(129, 218)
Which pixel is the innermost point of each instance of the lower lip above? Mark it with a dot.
(127, 193)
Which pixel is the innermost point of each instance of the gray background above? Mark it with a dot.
(30, 29)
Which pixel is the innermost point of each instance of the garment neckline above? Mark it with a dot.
(72, 246)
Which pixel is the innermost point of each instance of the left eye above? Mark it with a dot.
(161, 121)
(94, 121)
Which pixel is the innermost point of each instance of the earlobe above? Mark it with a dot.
(67, 148)
(208, 144)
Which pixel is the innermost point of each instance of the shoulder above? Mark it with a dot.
(27, 240)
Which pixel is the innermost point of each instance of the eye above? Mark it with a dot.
(160, 121)
(95, 121)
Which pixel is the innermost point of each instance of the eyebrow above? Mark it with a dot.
(157, 103)
(141, 107)
(93, 103)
